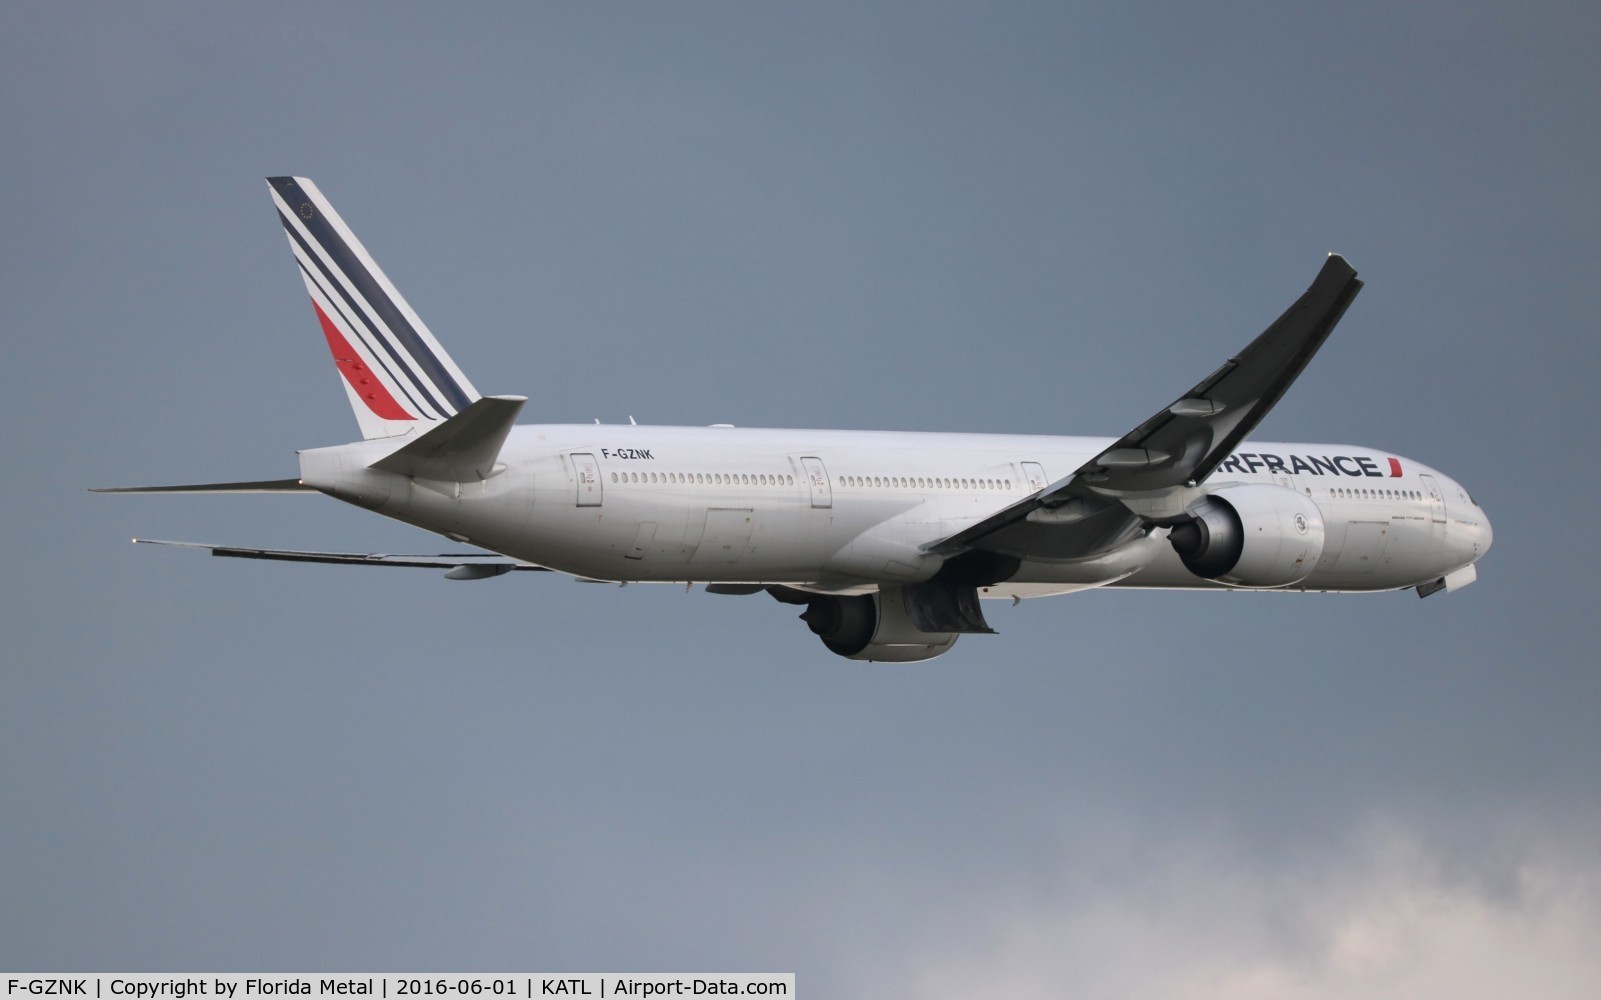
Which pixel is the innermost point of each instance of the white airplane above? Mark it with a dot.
(888, 539)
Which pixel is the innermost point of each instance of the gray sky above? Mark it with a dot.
(1002, 217)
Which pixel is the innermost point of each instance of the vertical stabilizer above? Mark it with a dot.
(400, 381)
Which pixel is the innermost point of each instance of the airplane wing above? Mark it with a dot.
(1081, 516)
(263, 486)
(459, 565)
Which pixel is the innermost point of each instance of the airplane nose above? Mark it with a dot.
(1486, 533)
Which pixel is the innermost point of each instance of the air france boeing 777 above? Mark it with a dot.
(888, 540)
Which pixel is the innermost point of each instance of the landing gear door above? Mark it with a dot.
(587, 473)
(817, 481)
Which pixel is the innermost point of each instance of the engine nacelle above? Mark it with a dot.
(1251, 536)
(872, 627)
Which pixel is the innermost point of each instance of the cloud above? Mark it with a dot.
(1194, 920)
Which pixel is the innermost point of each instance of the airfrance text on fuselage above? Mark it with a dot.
(1245, 463)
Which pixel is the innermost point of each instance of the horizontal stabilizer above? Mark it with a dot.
(461, 449)
(264, 486)
(461, 565)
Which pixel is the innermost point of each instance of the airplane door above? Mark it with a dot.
(1436, 499)
(1035, 474)
(817, 479)
(587, 471)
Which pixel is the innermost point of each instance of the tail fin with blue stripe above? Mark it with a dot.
(400, 381)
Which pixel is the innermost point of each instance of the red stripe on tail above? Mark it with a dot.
(360, 377)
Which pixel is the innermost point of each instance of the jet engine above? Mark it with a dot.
(1254, 536)
(876, 627)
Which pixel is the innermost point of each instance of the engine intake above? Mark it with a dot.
(1254, 536)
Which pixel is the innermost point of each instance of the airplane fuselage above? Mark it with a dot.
(846, 511)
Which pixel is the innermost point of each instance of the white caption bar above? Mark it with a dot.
(384, 986)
